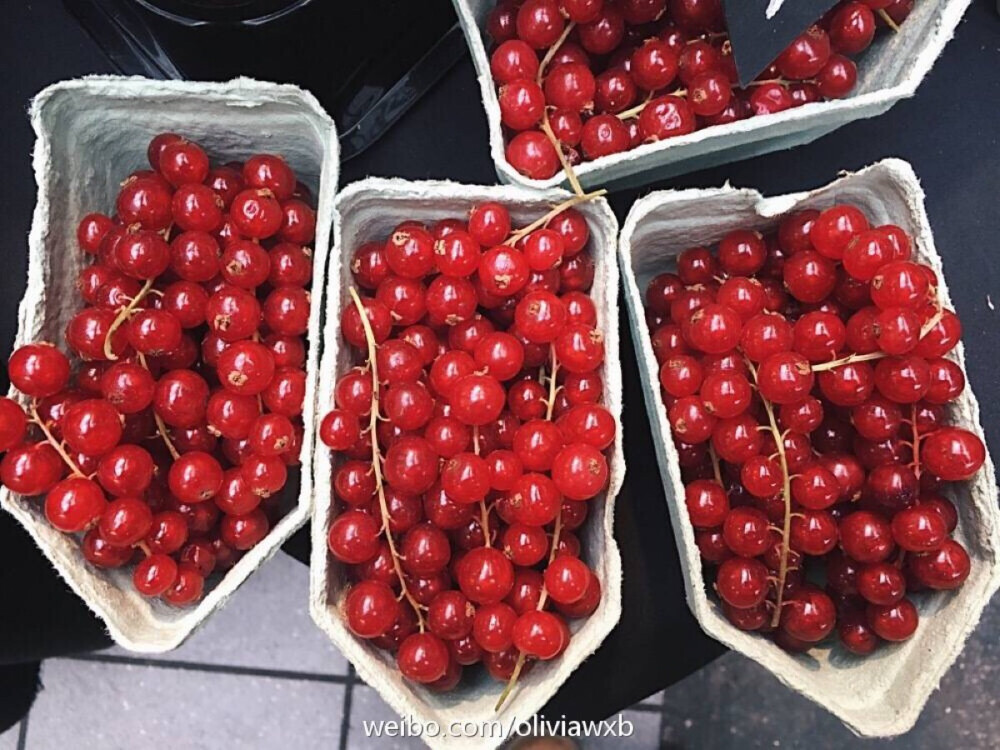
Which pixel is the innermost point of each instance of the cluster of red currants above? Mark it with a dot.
(615, 74)
(806, 378)
(470, 436)
(185, 408)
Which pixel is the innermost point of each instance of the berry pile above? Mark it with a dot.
(185, 408)
(582, 79)
(806, 378)
(470, 437)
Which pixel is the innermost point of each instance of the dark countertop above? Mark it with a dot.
(949, 131)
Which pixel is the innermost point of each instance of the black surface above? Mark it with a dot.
(365, 62)
(757, 39)
(949, 132)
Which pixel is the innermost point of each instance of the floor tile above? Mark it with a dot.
(8, 740)
(367, 706)
(644, 728)
(656, 699)
(735, 703)
(265, 625)
(96, 706)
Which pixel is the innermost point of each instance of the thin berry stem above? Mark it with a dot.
(781, 81)
(544, 64)
(716, 469)
(51, 440)
(377, 457)
(556, 210)
(852, 358)
(884, 15)
(574, 181)
(635, 111)
(553, 549)
(916, 440)
(786, 495)
(124, 314)
(848, 360)
(546, 127)
(550, 405)
(161, 426)
(933, 321)
(484, 513)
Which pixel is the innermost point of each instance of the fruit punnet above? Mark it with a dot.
(581, 79)
(170, 444)
(806, 375)
(469, 438)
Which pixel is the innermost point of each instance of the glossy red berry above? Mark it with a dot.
(742, 582)
(155, 575)
(580, 471)
(532, 154)
(808, 615)
(187, 587)
(423, 658)
(38, 370)
(952, 453)
(943, 569)
(540, 634)
(866, 537)
(894, 622)
(256, 213)
(74, 504)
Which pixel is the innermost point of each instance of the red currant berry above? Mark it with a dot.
(74, 504)
(741, 582)
(952, 453)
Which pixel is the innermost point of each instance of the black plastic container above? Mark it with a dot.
(366, 61)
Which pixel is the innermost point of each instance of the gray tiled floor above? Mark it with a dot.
(367, 706)
(272, 629)
(8, 740)
(132, 706)
(260, 675)
(734, 703)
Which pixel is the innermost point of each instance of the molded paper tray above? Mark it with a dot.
(91, 133)
(883, 694)
(366, 211)
(890, 70)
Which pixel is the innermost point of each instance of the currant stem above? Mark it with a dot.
(628, 114)
(635, 111)
(786, 494)
(852, 358)
(716, 469)
(552, 51)
(848, 360)
(916, 441)
(546, 127)
(161, 426)
(888, 20)
(484, 512)
(377, 457)
(556, 210)
(51, 440)
(933, 321)
(574, 181)
(511, 682)
(782, 81)
(553, 549)
(124, 314)
(551, 403)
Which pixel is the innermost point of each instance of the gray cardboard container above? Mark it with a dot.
(888, 71)
(884, 694)
(368, 210)
(90, 134)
